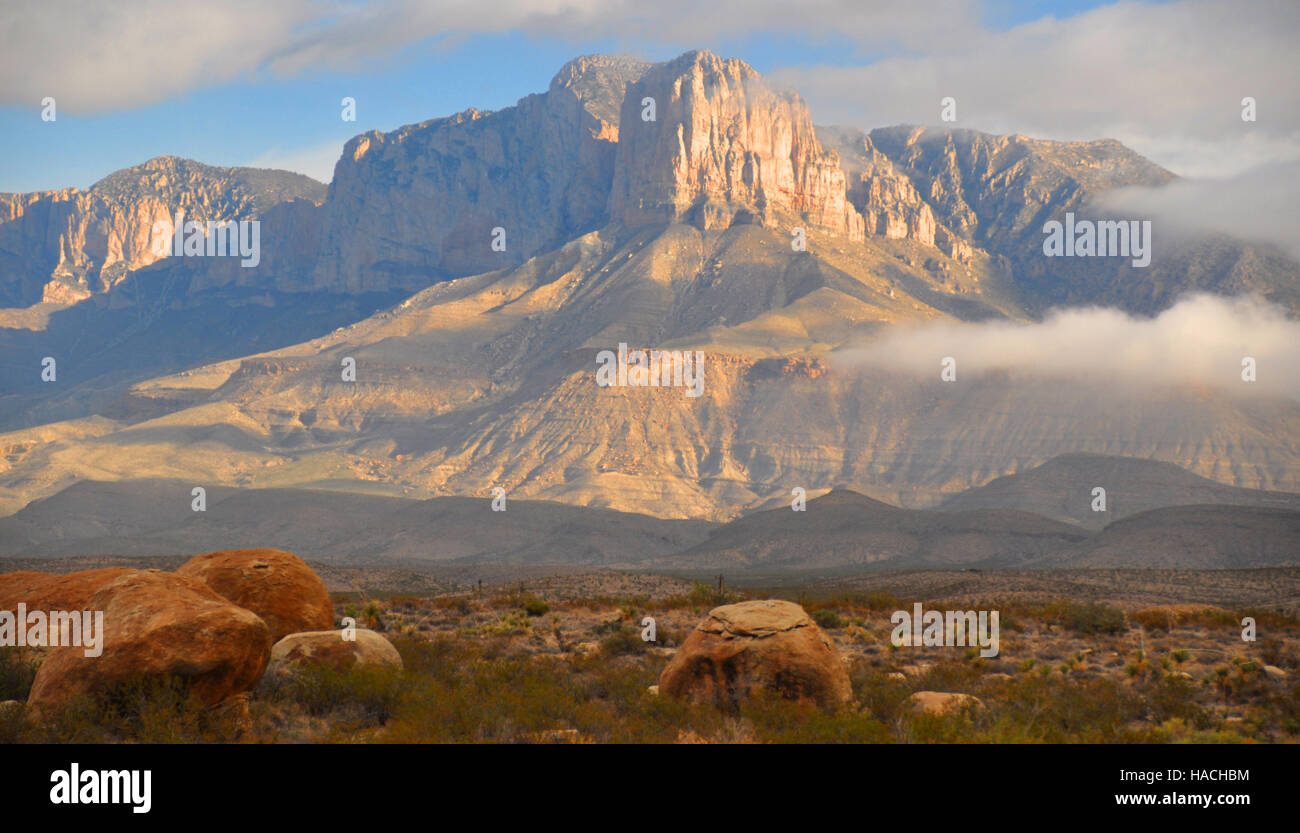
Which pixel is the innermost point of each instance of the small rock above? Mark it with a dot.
(557, 736)
(941, 702)
(1274, 673)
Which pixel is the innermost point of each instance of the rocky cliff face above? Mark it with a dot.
(993, 189)
(723, 148)
(886, 198)
(992, 194)
(64, 246)
(421, 203)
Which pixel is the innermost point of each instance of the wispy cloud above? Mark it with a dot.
(1166, 79)
(1201, 340)
(1258, 205)
(94, 56)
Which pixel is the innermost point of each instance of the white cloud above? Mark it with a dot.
(1258, 205)
(95, 56)
(1165, 79)
(1201, 340)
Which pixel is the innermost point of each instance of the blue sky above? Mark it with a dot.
(262, 113)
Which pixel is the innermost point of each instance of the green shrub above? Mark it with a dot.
(827, 619)
(1090, 618)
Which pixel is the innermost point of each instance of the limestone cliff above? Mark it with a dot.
(723, 148)
(64, 246)
(421, 203)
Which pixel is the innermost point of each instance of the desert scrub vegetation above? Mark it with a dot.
(137, 710)
(481, 691)
(827, 619)
(17, 672)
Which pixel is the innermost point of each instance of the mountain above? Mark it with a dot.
(840, 530)
(60, 247)
(1190, 537)
(476, 365)
(845, 529)
(154, 517)
(1061, 488)
(995, 193)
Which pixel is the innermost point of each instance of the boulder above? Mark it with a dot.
(276, 585)
(330, 649)
(1274, 673)
(741, 649)
(159, 624)
(47, 591)
(940, 702)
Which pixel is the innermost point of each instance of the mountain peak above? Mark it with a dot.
(706, 141)
(599, 82)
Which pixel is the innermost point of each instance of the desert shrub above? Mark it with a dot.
(790, 722)
(13, 725)
(17, 672)
(364, 694)
(827, 619)
(1057, 710)
(1089, 618)
(623, 641)
(881, 696)
(534, 606)
(513, 623)
(1165, 619)
(1175, 697)
(140, 709)
(1272, 620)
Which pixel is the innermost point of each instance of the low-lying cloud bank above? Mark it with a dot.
(1201, 340)
(1257, 206)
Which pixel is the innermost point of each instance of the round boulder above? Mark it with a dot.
(330, 649)
(274, 584)
(741, 649)
(159, 624)
(47, 591)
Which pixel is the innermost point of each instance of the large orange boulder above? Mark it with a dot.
(159, 624)
(741, 649)
(47, 591)
(274, 584)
